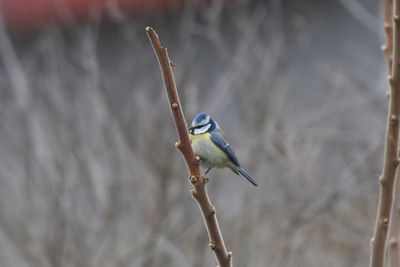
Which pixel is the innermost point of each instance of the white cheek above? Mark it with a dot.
(202, 129)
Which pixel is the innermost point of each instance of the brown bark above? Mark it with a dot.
(198, 181)
(390, 161)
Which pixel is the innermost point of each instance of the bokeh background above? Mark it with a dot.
(89, 175)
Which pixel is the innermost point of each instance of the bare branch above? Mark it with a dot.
(198, 181)
(392, 246)
(390, 161)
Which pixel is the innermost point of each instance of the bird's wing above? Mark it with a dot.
(219, 140)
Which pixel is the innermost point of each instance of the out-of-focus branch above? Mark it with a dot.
(390, 161)
(392, 246)
(388, 26)
(198, 181)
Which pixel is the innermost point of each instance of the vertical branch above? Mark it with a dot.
(390, 160)
(392, 248)
(388, 26)
(198, 181)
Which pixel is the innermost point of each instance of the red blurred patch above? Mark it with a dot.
(33, 14)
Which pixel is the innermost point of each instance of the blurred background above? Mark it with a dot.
(89, 175)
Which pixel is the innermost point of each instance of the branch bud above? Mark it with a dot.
(205, 179)
(396, 19)
(382, 180)
(386, 26)
(174, 105)
(385, 222)
(193, 193)
(197, 159)
(212, 210)
(178, 145)
(172, 64)
(213, 246)
(393, 242)
(193, 179)
(229, 255)
(391, 80)
(393, 119)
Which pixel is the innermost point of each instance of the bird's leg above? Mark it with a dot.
(209, 169)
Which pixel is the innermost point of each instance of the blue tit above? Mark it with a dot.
(210, 144)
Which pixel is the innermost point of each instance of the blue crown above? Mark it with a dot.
(201, 118)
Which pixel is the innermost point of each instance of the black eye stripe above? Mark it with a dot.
(200, 126)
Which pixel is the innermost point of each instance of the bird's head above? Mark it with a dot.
(202, 123)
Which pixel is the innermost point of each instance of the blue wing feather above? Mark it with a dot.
(219, 140)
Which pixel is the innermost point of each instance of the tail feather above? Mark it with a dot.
(240, 170)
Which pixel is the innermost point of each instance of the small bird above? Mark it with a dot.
(210, 144)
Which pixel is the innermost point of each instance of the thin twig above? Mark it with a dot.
(392, 246)
(390, 161)
(198, 181)
(388, 26)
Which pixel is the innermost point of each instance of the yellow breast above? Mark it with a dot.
(210, 154)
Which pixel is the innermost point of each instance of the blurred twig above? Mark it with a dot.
(390, 161)
(392, 247)
(198, 181)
